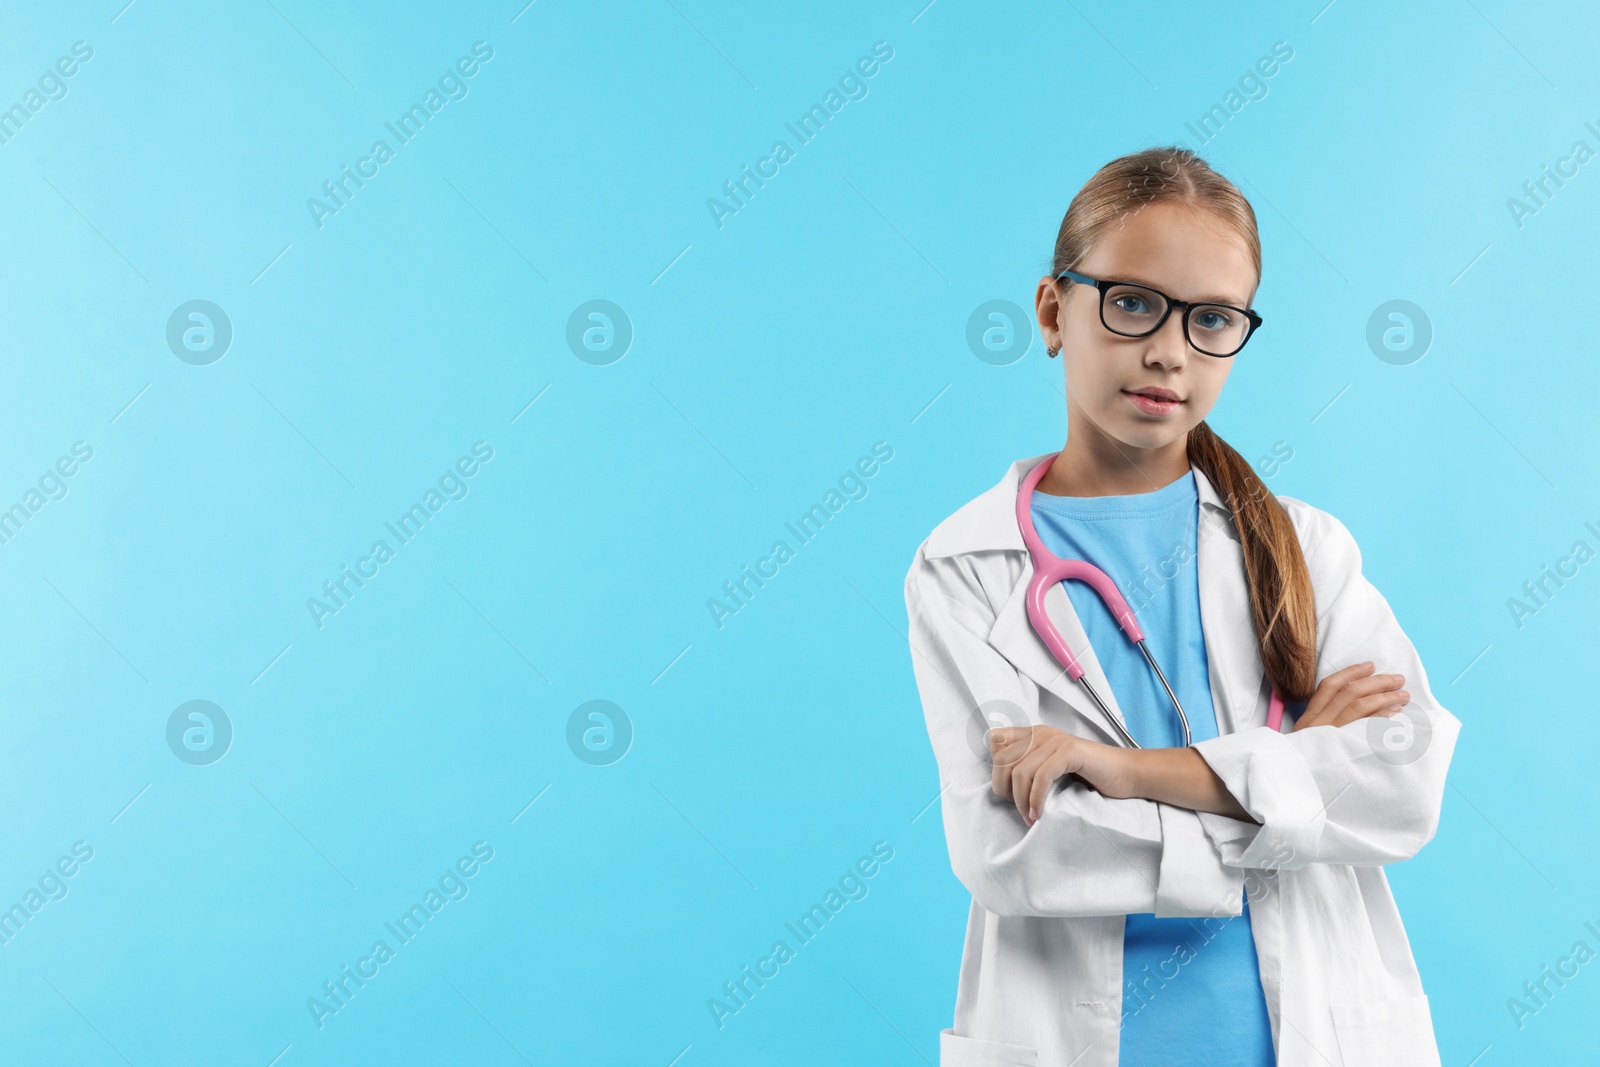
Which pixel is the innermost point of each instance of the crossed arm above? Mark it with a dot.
(1120, 831)
(1028, 760)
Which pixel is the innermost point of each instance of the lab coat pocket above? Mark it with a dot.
(957, 1051)
(1386, 1033)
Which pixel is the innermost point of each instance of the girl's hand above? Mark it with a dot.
(1351, 694)
(1029, 759)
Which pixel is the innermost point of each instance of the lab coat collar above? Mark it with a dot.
(988, 523)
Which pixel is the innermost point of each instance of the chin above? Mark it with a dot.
(1147, 436)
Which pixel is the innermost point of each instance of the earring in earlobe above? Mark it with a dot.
(1051, 352)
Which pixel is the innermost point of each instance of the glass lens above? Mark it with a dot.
(1217, 329)
(1132, 309)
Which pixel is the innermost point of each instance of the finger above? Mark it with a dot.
(1328, 689)
(1008, 752)
(1001, 756)
(1358, 698)
(1004, 752)
(1349, 674)
(1373, 683)
(1025, 777)
(1021, 788)
(1375, 704)
(1383, 702)
(998, 743)
(1005, 735)
(1335, 692)
(1008, 762)
(1044, 780)
(1004, 758)
(1021, 738)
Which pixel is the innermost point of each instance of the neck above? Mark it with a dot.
(1092, 464)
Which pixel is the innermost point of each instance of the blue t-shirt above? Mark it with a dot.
(1191, 990)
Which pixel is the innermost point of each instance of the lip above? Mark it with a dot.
(1154, 401)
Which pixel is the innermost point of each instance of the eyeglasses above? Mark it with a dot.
(1131, 310)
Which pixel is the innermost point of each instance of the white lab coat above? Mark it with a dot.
(1041, 978)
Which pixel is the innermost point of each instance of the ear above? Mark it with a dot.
(1047, 311)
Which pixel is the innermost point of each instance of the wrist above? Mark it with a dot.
(1127, 767)
(1111, 769)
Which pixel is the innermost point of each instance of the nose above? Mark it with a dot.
(1169, 346)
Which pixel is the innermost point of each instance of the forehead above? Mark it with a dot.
(1187, 252)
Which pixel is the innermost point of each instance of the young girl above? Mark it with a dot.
(1158, 876)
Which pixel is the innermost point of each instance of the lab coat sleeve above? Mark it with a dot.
(1364, 794)
(1086, 855)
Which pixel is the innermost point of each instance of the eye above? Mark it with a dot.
(1132, 303)
(1213, 318)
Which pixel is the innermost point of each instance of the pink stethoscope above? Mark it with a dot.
(1048, 569)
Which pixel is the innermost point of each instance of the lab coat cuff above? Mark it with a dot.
(1193, 879)
(1272, 781)
(1232, 837)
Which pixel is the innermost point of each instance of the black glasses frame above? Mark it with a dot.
(1188, 307)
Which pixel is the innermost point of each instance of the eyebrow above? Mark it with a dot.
(1198, 300)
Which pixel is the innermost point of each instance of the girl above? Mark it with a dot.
(1214, 902)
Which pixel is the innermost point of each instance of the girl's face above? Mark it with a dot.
(1185, 252)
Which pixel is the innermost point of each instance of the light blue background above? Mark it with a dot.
(768, 355)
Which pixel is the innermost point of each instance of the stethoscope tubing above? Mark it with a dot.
(1048, 569)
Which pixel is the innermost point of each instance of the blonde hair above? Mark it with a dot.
(1282, 607)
